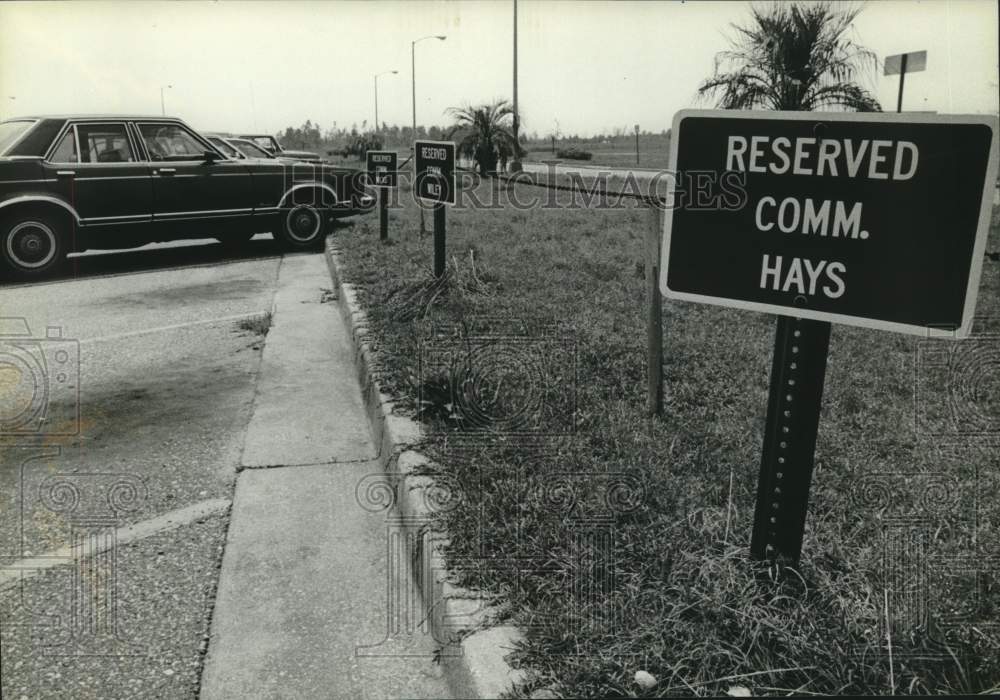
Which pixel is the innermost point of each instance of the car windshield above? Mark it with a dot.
(10, 132)
(252, 150)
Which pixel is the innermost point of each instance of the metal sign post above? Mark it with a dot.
(435, 182)
(382, 174)
(439, 239)
(654, 315)
(797, 374)
(823, 218)
(904, 63)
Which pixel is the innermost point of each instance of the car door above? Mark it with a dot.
(96, 166)
(190, 193)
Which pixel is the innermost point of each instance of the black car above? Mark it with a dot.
(70, 183)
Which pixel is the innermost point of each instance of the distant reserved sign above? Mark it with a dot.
(435, 170)
(381, 166)
(875, 220)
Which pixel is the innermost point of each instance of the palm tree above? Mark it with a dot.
(485, 134)
(793, 57)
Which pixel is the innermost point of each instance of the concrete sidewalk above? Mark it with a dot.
(302, 606)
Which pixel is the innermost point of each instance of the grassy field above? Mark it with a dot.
(619, 542)
(616, 152)
(613, 151)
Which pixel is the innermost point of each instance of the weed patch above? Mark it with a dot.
(256, 325)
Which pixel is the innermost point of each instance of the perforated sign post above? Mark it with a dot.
(874, 220)
(382, 175)
(435, 182)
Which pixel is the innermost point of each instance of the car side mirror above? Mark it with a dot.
(211, 156)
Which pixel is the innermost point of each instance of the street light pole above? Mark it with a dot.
(413, 86)
(163, 109)
(394, 72)
(515, 165)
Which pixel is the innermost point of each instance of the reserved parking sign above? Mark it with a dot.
(435, 170)
(875, 220)
(381, 167)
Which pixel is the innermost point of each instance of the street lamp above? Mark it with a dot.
(393, 72)
(163, 109)
(515, 165)
(413, 72)
(413, 76)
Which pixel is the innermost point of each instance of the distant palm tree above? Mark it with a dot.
(485, 134)
(793, 57)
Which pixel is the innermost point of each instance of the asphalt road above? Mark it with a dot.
(152, 354)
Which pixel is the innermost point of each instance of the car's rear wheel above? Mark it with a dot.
(303, 228)
(32, 244)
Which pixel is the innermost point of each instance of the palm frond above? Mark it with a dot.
(793, 57)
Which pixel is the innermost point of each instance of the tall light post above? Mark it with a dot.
(11, 98)
(413, 80)
(515, 165)
(393, 72)
(163, 108)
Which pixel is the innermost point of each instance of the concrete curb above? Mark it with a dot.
(475, 663)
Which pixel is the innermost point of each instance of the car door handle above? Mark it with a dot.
(166, 171)
(65, 173)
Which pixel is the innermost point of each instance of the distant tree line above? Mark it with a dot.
(358, 138)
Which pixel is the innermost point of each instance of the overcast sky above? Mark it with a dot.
(593, 66)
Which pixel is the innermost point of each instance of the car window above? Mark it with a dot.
(66, 150)
(104, 143)
(252, 150)
(225, 147)
(11, 132)
(170, 142)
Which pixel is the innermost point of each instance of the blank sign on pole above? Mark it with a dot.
(915, 61)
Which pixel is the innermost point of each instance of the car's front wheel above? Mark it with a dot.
(303, 228)
(32, 244)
